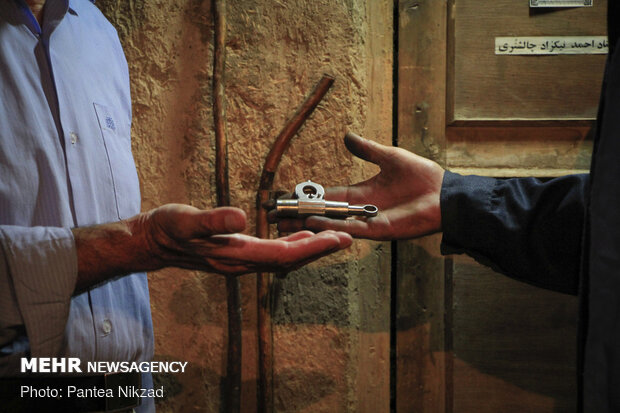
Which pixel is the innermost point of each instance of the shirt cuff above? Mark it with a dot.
(464, 201)
(42, 266)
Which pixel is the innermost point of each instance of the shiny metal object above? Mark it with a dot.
(309, 200)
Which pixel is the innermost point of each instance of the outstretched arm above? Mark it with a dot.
(406, 191)
(187, 237)
(525, 228)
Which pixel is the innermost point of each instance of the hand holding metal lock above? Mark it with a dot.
(310, 201)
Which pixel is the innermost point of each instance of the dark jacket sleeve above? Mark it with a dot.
(525, 228)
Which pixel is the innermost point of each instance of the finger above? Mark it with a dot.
(276, 252)
(296, 236)
(225, 220)
(355, 227)
(235, 267)
(238, 253)
(366, 149)
(316, 246)
(345, 241)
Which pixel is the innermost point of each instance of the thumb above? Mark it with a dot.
(225, 220)
(365, 149)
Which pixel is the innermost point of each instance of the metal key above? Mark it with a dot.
(310, 201)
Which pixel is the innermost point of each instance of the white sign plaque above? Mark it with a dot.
(561, 3)
(551, 45)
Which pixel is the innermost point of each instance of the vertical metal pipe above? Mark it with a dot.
(232, 391)
(219, 104)
(263, 287)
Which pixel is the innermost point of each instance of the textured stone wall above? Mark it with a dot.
(331, 319)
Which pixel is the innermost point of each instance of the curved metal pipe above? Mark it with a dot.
(263, 280)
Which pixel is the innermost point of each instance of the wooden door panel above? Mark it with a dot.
(486, 86)
(468, 339)
(513, 344)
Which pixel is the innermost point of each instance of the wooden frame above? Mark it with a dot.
(430, 376)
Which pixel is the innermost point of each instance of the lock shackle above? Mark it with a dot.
(309, 190)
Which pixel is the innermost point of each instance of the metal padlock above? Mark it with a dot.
(310, 201)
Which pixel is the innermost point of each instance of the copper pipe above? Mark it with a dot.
(219, 104)
(232, 390)
(263, 280)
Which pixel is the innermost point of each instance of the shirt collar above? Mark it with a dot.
(72, 9)
(54, 13)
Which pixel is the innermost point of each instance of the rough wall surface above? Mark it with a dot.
(331, 320)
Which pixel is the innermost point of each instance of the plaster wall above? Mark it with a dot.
(331, 318)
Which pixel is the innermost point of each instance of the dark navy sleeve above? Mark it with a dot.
(524, 228)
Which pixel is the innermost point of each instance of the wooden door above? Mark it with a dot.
(467, 339)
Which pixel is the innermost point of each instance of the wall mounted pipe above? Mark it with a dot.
(232, 390)
(263, 280)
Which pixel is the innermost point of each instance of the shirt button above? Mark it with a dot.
(107, 326)
(74, 137)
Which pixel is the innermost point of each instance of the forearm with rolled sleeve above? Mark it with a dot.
(525, 228)
(38, 270)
